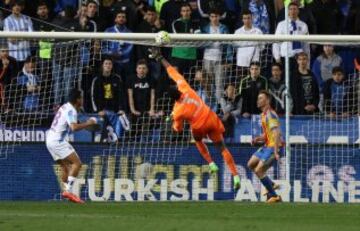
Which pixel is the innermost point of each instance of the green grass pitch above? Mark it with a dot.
(184, 216)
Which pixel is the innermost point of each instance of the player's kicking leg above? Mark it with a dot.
(201, 146)
(70, 166)
(259, 167)
(229, 160)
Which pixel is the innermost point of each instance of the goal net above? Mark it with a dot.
(136, 155)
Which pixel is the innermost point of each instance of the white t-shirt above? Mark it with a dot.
(60, 127)
(213, 53)
(247, 51)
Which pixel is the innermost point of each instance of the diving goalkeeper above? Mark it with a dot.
(204, 122)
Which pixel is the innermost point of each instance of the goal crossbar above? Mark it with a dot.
(183, 37)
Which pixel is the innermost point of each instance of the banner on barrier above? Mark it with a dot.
(30, 174)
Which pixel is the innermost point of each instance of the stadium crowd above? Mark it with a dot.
(119, 78)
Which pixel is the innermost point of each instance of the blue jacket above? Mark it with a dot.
(223, 30)
(119, 50)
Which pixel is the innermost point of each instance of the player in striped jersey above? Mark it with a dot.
(264, 157)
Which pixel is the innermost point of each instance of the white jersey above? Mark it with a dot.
(60, 127)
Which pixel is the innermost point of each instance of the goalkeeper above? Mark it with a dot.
(204, 122)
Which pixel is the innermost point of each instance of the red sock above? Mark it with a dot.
(204, 151)
(229, 161)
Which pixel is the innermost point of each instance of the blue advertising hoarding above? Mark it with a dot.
(318, 174)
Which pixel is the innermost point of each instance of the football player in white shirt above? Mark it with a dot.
(60, 149)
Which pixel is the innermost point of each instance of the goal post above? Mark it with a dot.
(145, 150)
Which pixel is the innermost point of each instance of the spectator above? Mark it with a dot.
(195, 14)
(324, 64)
(304, 88)
(263, 13)
(141, 93)
(230, 109)
(297, 27)
(328, 16)
(205, 8)
(31, 85)
(305, 15)
(120, 51)
(134, 10)
(213, 56)
(44, 21)
(277, 89)
(184, 57)
(108, 97)
(150, 24)
(8, 72)
(247, 52)
(19, 49)
(337, 94)
(250, 87)
(95, 22)
(205, 88)
(170, 11)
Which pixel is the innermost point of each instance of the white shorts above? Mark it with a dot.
(59, 150)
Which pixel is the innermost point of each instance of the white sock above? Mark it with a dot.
(66, 186)
(70, 183)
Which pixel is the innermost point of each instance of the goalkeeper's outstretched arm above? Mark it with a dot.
(172, 72)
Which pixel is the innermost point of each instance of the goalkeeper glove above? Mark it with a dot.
(154, 53)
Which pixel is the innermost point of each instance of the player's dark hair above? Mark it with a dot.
(173, 92)
(141, 62)
(337, 70)
(246, 12)
(301, 54)
(266, 93)
(120, 12)
(277, 65)
(150, 8)
(42, 3)
(30, 59)
(92, 2)
(185, 4)
(293, 4)
(254, 63)
(107, 57)
(17, 3)
(74, 95)
(215, 11)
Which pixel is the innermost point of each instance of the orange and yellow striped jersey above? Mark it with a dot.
(269, 122)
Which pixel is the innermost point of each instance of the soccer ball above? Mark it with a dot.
(162, 37)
